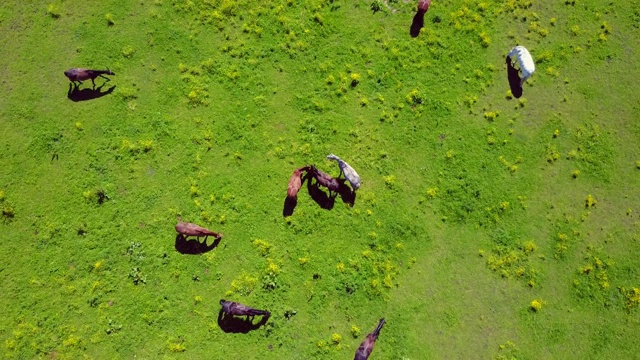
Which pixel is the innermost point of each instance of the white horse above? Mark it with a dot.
(527, 66)
(350, 174)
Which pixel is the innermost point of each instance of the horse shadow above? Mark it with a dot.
(289, 205)
(325, 201)
(319, 196)
(231, 324)
(514, 79)
(76, 94)
(194, 247)
(347, 195)
(417, 24)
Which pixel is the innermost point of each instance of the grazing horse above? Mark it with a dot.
(418, 18)
(237, 309)
(295, 182)
(79, 75)
(366, 346)
(189, 229)
(527, 66)
(349, 174)
(324, 179)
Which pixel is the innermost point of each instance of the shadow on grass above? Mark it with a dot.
(232, 324)
(347, 195)
(320, 197)
(194, 247)
(514, 79)
(76, 94)
(417, 24)
(289, 205)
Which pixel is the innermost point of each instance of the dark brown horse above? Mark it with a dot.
(324, 179)
(367, 345)
(295, 182)
(79, 75)
(237, 309)
(189, 229)
(418, 18)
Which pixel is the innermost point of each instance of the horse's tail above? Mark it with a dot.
(103, 72)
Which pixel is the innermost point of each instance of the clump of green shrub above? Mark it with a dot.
(135, 148)
(8, 212)
(355, 331)
(264, 247)
(128, 51)
(535, 306)
(176, 346)
(109, 18)
(414, 97)
(507, 351)
(243, 285)
(137, 277)
(491, 115)
(485, 40)
(575, 30)
(390, 181)
(355, 79)
(552, 153)
(376, 5)
(99, 195)
(53, 11)
(513, 260)
(631, 297)
(270, 275)
(374, 271)
(592, 282)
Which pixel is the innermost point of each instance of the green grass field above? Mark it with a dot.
(486, 227)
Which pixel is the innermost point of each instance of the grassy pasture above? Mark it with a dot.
(486, 226)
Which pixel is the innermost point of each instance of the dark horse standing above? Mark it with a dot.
(324, 179)
(237, 309)
(230, 323)
(418, 18)
(79, 75)
(189, 229)
(366, 346)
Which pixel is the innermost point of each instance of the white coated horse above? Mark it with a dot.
(527, 66)
(350, 174)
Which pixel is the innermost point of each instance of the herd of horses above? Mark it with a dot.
(230, 311)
